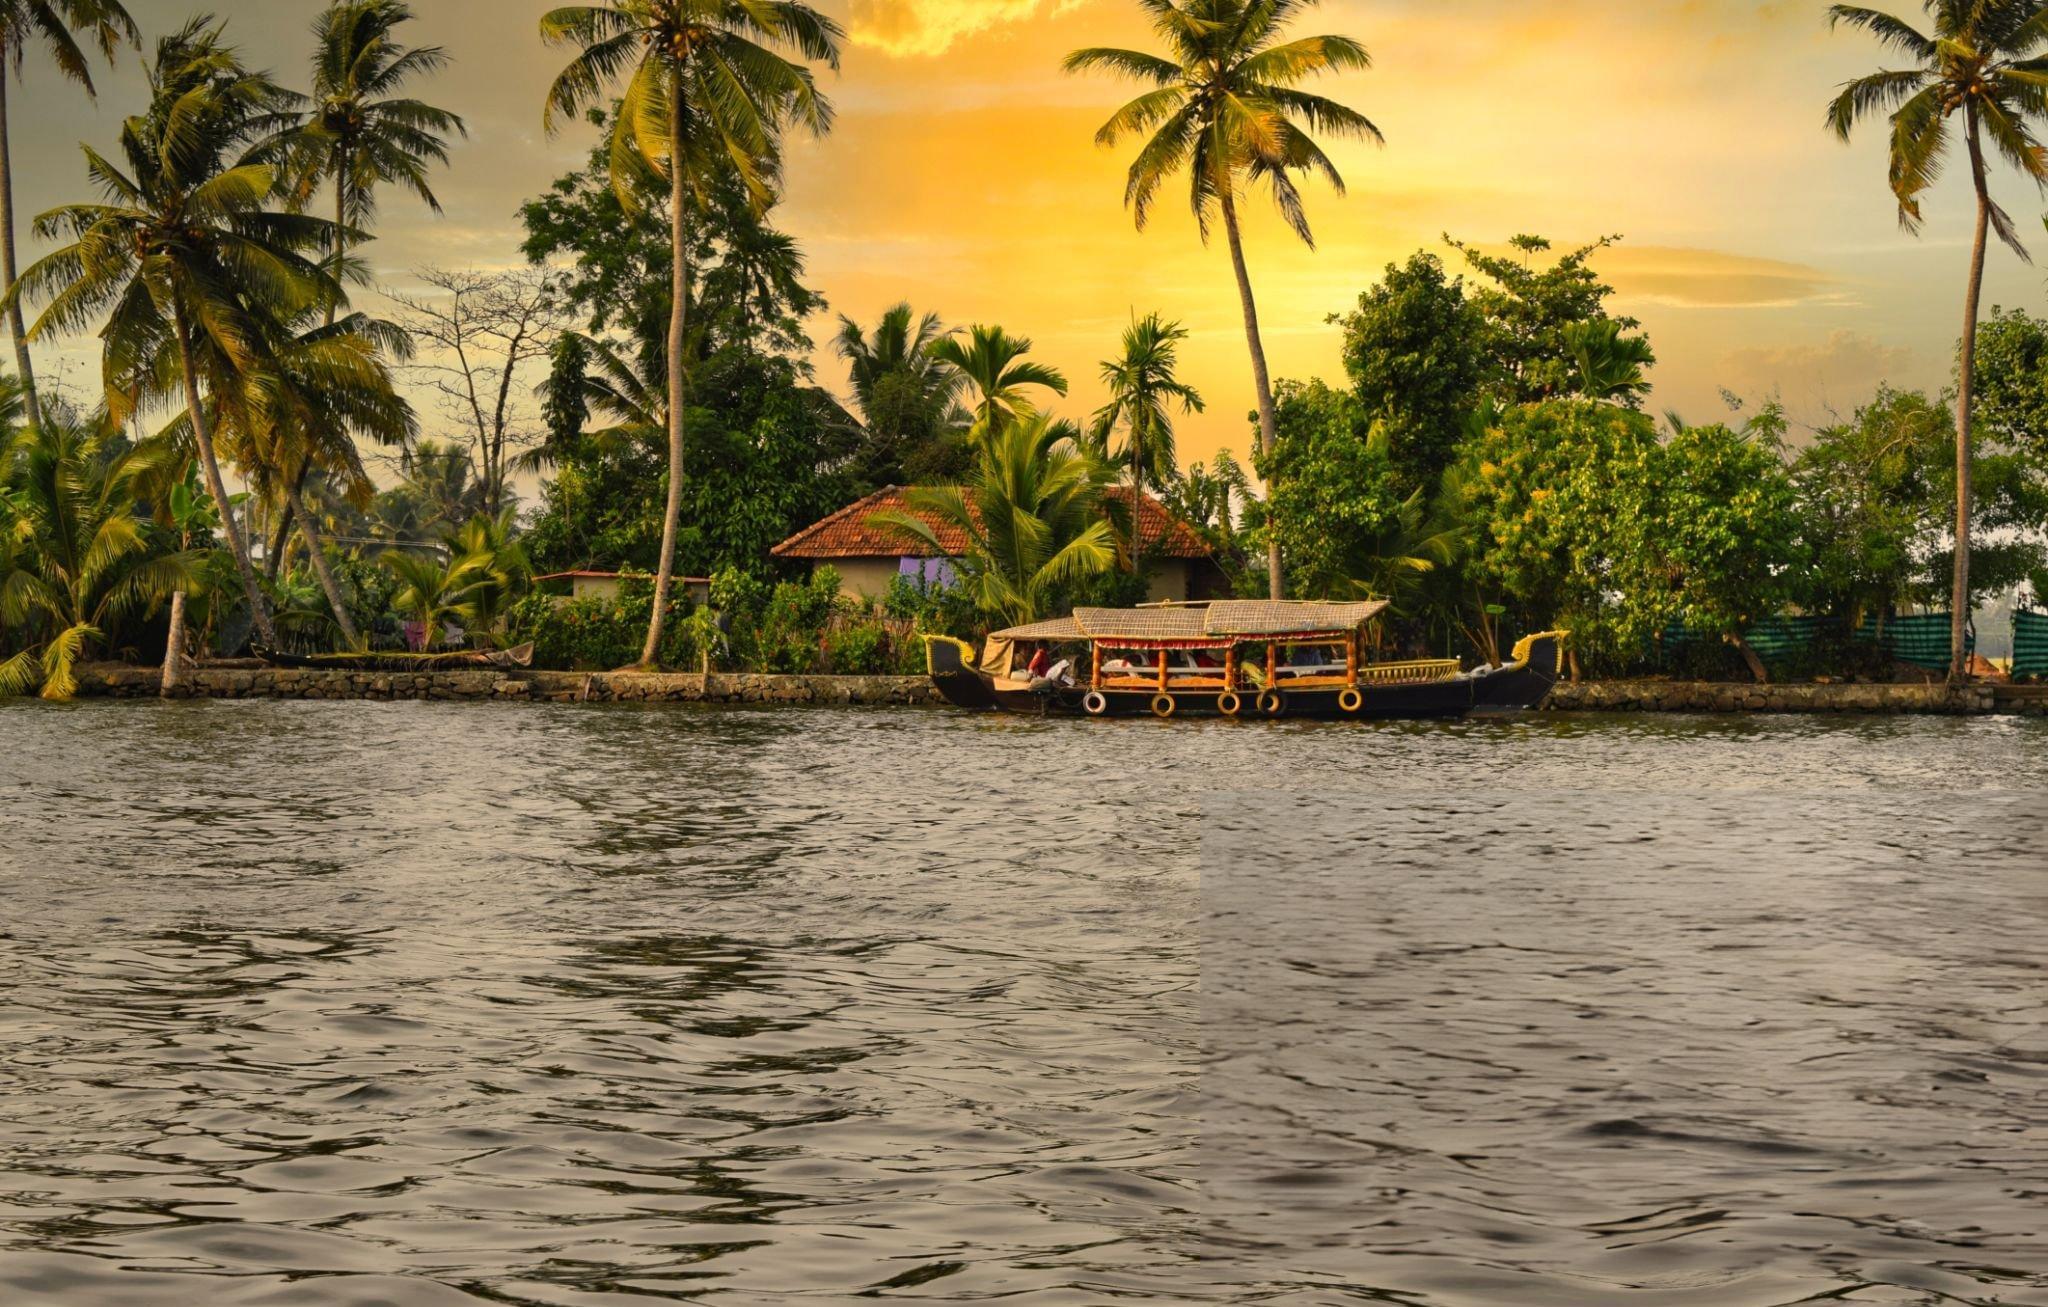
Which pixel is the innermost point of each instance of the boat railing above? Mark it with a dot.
(1424, 669)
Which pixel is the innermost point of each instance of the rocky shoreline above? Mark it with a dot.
(120, 681)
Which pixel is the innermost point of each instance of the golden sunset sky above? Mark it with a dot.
(1761, 254)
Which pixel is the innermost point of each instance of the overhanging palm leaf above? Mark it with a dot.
(56, 26)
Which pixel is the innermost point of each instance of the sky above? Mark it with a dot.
(1762, 255)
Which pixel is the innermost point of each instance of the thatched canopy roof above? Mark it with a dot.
(1265, 617)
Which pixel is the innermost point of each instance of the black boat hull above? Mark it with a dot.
(1518, 687)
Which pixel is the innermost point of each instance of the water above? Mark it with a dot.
(337, 1005)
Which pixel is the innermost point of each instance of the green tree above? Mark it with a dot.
(75, 558)
(2011, 392)
(1529, 309)
(51, 22)
(908, 398)
(708, 94)
(1415, 350)
(358, 136)
(1981, 65)
(1712, 536)
(1870, 506)
(184, 258)
(1333, 488)
(1144, 388)
(1033, 516)
(990, 362)
(1545, 489)
(1225, 104)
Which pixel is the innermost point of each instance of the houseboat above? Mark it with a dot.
(1229, 658)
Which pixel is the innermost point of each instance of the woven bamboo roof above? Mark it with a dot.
(1059, 628)
(1288, 616)
(1143, 623)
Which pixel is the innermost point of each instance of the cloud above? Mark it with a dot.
(930, 27)
(1828, 377)
(1692, 278)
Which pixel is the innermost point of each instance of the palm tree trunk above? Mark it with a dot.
(280, 537)
(316, 549)
(22, 364)
(174, 646)
(1268, 423)
(1966, 395)
(203, 436)
(664, 575)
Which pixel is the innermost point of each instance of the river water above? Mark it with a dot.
(342, 1005)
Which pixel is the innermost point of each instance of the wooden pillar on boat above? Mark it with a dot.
(1230, 668)
(1094, 665)
(1272, 660)
(1162, 671)
(1351, 660)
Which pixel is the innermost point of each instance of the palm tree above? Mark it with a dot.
(74, 557)
(432, 591)
(895, 347)
(708, 93)
(1606, 364)
(183, 257)
(991, 362)
(1979, 63)
(907, 396)
(500, 571)
(1144, 384)
(329, 386)
(360, 136)
(105, 24)
(1032, 514)
(1224, 105)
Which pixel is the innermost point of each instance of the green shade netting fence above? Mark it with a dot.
(1921, 639)
(1917, 638)
(2029, 643)
(1779, 637)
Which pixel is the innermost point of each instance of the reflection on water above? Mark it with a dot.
(351, 1004)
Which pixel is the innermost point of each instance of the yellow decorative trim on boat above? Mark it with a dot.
(966, 652)
(1428, 669)
(1527, 645)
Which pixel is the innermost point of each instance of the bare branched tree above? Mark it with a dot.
(476, 332)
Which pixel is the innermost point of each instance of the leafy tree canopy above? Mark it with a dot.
(1416, 349)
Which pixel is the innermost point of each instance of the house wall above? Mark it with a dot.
(1168, 579)
(863, 578)
(594, 587)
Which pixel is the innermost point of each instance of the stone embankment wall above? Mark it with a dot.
(121, 681)
(562, 687)
(1717, 696)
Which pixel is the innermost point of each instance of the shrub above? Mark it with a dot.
(792, 626)
(600, 634)
(861, 650)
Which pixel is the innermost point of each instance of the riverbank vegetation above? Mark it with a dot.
(640, 399)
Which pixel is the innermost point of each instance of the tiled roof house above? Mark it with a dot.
(869, 555)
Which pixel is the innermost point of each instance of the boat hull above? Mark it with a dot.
(1520, 686)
